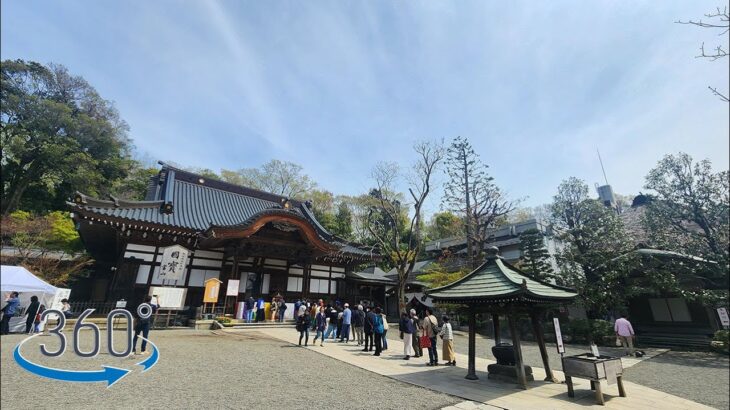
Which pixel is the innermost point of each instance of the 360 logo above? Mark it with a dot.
(109, 374)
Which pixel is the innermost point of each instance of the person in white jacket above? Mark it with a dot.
(447, 335)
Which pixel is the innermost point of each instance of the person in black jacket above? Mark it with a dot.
(369, 330)
(32, 311)
(358, 321)
(332, 326)
(303, 328)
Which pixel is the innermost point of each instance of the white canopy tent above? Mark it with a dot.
(21, 280)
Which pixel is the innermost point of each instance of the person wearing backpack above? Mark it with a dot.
(429, 327)
(378, 330)
(303, 328)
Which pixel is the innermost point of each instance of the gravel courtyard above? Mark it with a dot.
(199, 369)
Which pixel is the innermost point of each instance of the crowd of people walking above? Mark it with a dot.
(368, 327)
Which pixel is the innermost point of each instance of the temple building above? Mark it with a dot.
(270, 243)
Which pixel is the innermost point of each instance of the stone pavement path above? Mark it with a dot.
(469, 405)
(531, 353)
(450, 380)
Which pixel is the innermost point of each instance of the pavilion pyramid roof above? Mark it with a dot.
(497, 281)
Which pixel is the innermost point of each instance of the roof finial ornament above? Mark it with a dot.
(524, 283)
(492, 252)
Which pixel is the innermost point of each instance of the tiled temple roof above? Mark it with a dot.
(189, 202)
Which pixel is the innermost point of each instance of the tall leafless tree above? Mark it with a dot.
(397, 231)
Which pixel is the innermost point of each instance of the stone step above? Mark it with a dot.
(657, 339)
(284, 324)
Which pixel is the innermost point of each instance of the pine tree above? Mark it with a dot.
(535, 258)
(343, 221)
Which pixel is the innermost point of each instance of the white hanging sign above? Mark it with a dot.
(174, 260)
(558, 336)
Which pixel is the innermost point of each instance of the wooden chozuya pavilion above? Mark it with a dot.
(272, 244)
(500, 288)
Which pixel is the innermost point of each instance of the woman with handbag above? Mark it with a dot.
(447, 335)
(429, 327)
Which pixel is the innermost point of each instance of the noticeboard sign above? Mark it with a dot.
(168, 297)
(212, 287)
(232, 289)
(174, 260)
(558, 336)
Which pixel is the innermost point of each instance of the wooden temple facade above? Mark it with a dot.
(272, 244)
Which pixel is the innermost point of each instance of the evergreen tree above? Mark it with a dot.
(592, 235)
(57, 136)
(471, 192)
(343, 221)
(535, 258)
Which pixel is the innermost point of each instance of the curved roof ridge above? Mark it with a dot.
(86, 200)
(193, 178)
(532, 278)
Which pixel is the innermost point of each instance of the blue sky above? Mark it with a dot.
(337, 86)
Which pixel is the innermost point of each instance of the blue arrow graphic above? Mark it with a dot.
(152, 360)
(110, 374)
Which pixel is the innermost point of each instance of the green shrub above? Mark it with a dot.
(589, 330)
(601, 330)
(223, 320)
(579, 330)
(722, 336)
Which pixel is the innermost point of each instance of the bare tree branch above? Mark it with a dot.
(720, 95)
(719, 52)
(388, 223)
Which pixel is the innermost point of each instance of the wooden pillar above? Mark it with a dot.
(540, 338)
(235, 274)
(519, 364)
(495, 322)
(471, 373)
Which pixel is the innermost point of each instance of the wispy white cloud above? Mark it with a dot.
(340, 85)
